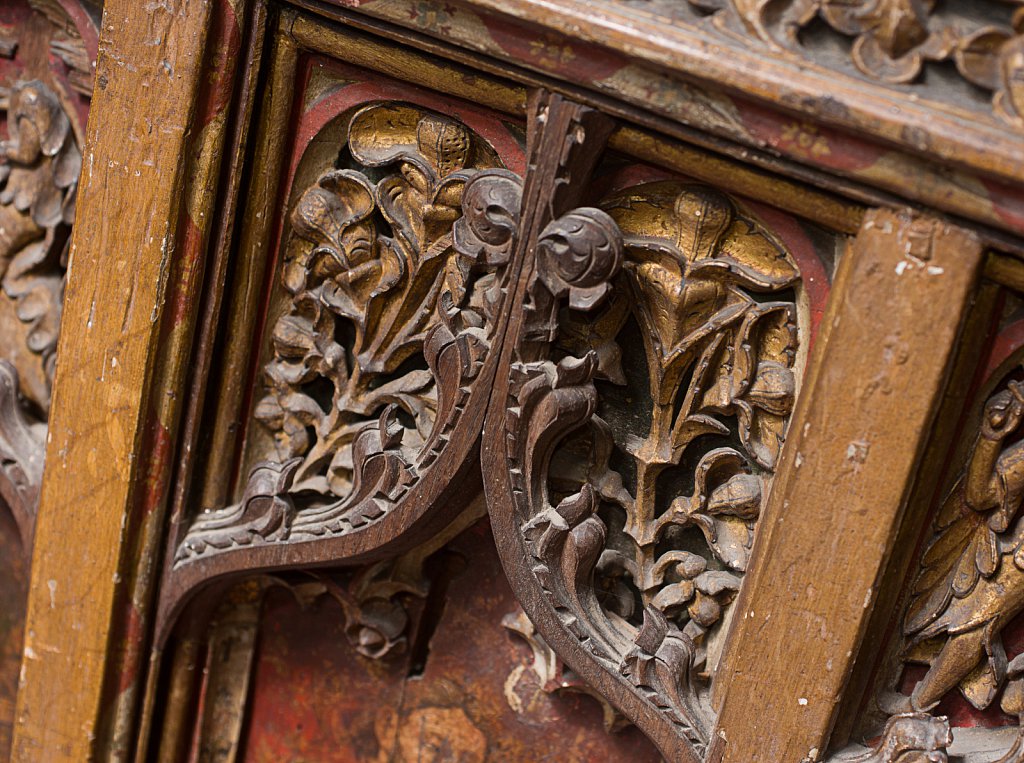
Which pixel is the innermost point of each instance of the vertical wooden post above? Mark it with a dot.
(877, 375)
(104, 437)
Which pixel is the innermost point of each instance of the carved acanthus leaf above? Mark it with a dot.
(39, 166)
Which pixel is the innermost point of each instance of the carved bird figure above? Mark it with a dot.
(971, 582)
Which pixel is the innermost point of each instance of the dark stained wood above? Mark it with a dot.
(876, 378)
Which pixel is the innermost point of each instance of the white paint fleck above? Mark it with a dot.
(901, 266)
(802, 702)
(857, 451)
(52, 585)
(935, 270)
(799, 460)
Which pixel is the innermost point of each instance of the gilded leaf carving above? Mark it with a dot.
(642, 445)
(384, 326)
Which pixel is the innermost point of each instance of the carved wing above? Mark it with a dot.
(971, 582)
(963, 550)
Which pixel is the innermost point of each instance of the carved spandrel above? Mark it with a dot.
(387, 300)
(640, 440)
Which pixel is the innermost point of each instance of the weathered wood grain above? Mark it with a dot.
(877, 376)
(124, 249)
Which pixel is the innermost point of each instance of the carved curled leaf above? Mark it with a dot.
(265, 513)
(327, 213)
(490, 205)
(662, 664)
(888, 34)
(39, 166)
(549, 673)
(578, 254)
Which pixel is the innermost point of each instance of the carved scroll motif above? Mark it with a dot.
(645, 417)
(891, 40)
(392, 276)
(39, 166)
(971, 582)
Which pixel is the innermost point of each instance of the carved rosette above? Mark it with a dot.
(391, 276)
(647, 408)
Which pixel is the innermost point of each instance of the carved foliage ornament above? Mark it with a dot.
(892, 39)
(971, 582)
(389, 281)
(645, 395)
(39, 166)
(647, 408)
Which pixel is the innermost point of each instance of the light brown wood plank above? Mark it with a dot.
(124, 249)
(877, 375)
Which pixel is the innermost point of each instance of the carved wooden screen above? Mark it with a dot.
(486, 372)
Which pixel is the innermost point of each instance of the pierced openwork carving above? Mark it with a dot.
(391, 278)
(641, 440)
(971, 583)
(891, 40)
(39, 166)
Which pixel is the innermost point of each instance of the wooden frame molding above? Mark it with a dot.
(333, 269)
(100, 454)
(876, 377)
